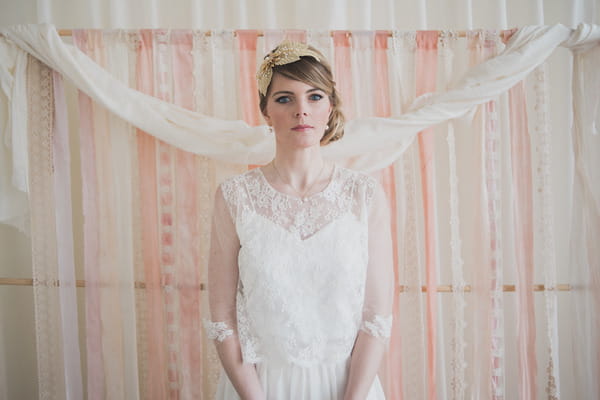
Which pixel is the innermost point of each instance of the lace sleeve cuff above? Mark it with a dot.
(217, 330)
(379, 327)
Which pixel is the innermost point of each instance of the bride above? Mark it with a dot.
(300, 270)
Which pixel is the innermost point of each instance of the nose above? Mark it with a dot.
(301, 109)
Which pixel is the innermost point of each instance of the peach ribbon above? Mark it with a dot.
(248, 87)
(523, 241)
(343, 70)
(426, 70)
(187, 229)
(388, 179)
(95, 365)
(146, 146)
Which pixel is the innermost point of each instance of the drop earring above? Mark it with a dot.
(270, 128)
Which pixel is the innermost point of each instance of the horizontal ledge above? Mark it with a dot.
(563, 287)
(461, 33)
(82, 283)
(402, 288)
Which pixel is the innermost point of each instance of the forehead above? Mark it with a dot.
(281, 83)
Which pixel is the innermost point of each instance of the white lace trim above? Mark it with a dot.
(252, 192)
(545, 227)
(43, 230)
(458, 344)
(379, 327)
(217, 330)
(248, 341)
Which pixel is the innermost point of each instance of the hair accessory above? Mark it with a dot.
(287, 52)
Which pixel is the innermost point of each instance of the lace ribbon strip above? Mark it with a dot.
(379, 327)
(217, 330)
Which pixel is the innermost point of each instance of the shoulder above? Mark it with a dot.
(357, 177)
(234, 183)
(235, 189)
(362, 183)
(236, 180)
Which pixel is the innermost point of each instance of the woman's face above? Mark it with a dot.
(297, 112)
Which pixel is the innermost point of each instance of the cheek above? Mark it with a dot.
(271, 116)
(328, 109)
(325, 113)
(275, 118)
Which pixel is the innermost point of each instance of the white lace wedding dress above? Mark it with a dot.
(306, 276)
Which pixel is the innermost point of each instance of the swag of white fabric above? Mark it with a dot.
(236, 141)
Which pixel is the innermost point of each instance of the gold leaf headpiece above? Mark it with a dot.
(287, 52)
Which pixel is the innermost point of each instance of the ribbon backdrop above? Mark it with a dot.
(471, 204)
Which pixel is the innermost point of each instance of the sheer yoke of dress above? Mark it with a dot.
(294, 280)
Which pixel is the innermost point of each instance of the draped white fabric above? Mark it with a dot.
(238, 142)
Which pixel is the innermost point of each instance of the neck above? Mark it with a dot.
(299, 168)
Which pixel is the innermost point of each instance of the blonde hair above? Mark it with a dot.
(318, 74)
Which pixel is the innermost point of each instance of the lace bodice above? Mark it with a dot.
(301, 218)
(306, 280)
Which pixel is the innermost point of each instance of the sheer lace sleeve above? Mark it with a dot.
(379, 289)
(222, 272)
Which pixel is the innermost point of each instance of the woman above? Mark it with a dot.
(300, 270)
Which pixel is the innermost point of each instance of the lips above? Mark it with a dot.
(302, 128)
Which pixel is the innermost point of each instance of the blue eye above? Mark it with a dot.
(283, 99)
(315, 97)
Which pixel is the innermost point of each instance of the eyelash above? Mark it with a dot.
(286, 99)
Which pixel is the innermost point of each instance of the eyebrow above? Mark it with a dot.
(288, 92)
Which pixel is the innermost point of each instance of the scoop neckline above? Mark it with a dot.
(302, 199)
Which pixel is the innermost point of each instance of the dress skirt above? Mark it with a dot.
(293, 382)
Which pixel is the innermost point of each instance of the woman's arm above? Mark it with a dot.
(222, 291)
(366, 358)
(371, 342)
